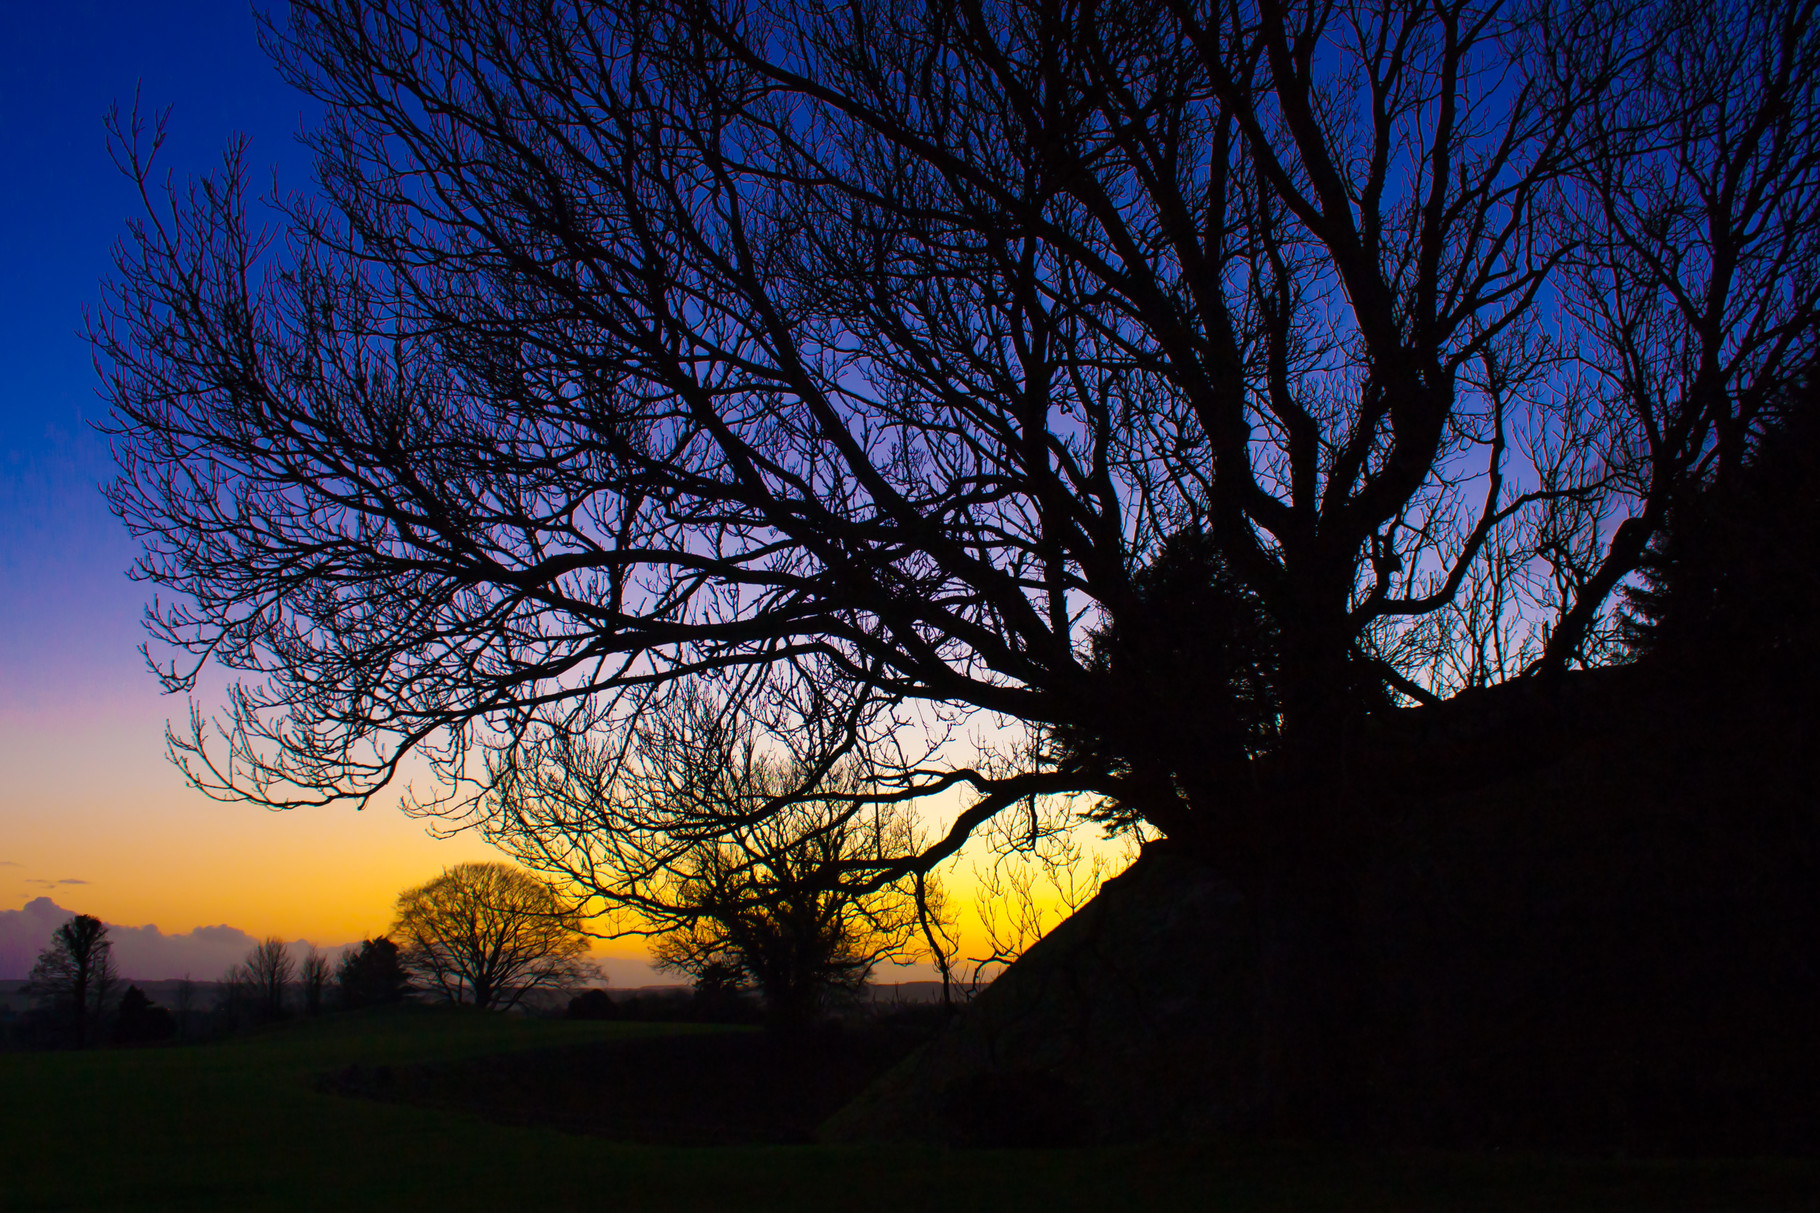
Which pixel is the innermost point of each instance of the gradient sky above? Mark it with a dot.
(90, 811)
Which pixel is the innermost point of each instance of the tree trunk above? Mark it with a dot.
(1299, 869)
(79, 999)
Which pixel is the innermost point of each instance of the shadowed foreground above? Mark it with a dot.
(1586, 923)
(243, 1125)
(703, 1088)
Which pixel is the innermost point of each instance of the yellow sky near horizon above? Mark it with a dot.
(94, 816)
(94, 800)
(91, 813)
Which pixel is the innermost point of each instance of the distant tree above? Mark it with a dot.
(141, 1021)
(313, 976)
(741, 861)
(593, 1004)
(268, 968)
(488, 934)
(721, 992)
(765, 913)
(184, 1006)
(371, 974)
(74, 977)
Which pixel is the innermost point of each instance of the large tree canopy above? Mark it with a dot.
(489, 934)
(863, 358)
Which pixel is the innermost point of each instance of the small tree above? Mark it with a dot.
(750, 868)
(371, 974)
(75, 975)
(313, 976)
(268, 968)
(184, 1006)
(768, 911)
(721, 992)
(489, 933)
(141, 1021)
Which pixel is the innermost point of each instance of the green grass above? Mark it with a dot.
(239, 1126)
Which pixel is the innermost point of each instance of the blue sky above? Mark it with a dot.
(69, 614)
(90, 811)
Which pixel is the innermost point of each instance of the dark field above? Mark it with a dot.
(256, 1123)
(700, 1088)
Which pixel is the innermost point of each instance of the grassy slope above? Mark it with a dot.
(238, 1125)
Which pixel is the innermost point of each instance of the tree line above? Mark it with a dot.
(486, 935)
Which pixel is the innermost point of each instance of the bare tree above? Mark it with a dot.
(313, 976)
(872, 355)
(1692, 235)
(692, 830)
(488, 934)
(74, 977)
(861, 362)
(263, 976)
(183, 1006)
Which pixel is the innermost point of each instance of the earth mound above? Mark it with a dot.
(1588, 920)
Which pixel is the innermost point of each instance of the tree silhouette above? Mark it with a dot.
(313, 976)
(593, 1004)
(721, 992)
(860, 365)
(869, 358)
(371, 974)
(74, 977)
(488, 934)
(139, 1020)
(749, 869)
(762, 912)
(263, 976)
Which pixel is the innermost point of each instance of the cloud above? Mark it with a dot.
(10, 863)
(142, 953)
(51, 884)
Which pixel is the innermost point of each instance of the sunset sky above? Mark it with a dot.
(91, 814)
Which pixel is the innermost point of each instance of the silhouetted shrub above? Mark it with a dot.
(141, 1021)
(720, 995)
(371, 974)
(593, 1004)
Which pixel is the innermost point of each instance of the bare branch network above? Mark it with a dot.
(857, 362)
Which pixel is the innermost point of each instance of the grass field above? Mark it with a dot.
(240, 1125)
